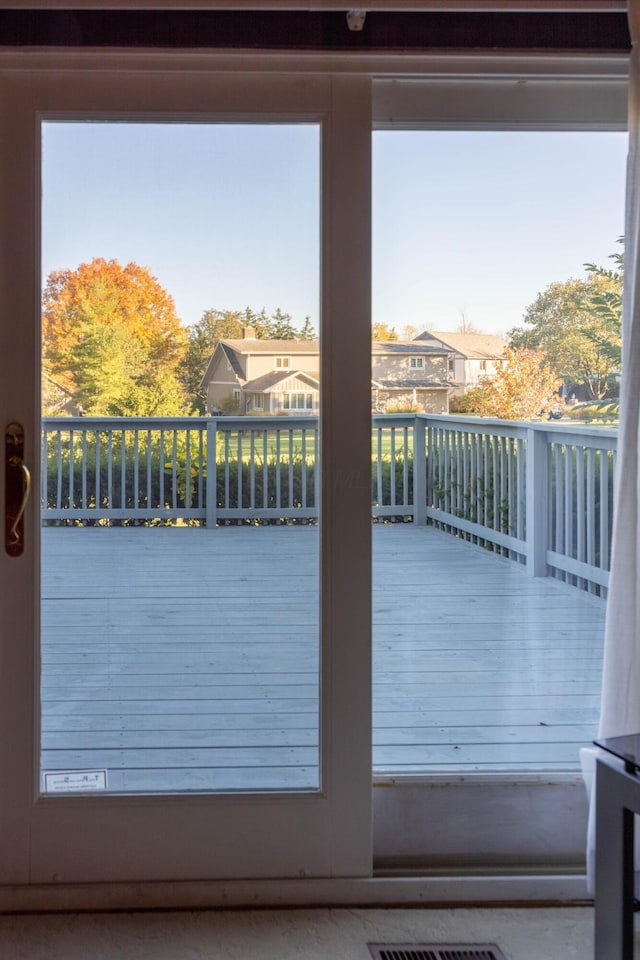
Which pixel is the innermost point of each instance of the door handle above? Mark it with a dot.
(17, 489)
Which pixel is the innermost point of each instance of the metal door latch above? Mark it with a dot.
(17, 487)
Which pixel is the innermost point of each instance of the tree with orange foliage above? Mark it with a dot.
(522, 389)
(111, 337)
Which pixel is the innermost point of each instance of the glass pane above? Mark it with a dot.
(495, 365)
(180, 492)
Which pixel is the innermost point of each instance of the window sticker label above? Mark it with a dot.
(75, 781)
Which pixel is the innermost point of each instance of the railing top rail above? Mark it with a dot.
(265, 423)
(222, 422)
(393, 419)
(484, 425)
(126, 423)
(493, 424)
(564, 432)
(597, 439)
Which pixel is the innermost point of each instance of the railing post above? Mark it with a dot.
(419, 470)
(212, 483)
(537, 502)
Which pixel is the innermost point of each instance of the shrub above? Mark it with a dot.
(604, 411)
(403, 406)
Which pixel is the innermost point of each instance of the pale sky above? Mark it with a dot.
(226, 215)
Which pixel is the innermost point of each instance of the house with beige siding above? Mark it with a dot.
(251, 376)
(263, 376)
(409, 373)
(472, 356)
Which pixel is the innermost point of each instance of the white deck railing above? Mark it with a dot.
(538, 493)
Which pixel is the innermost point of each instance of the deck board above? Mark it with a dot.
(186, 659)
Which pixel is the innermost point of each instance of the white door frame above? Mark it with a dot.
(415, 91)
(48, 839)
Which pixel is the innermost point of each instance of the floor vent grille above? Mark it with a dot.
(435, 951)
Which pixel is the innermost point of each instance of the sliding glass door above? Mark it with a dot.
(184, 660)
(495, 368)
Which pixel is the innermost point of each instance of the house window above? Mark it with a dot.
(416, 363)
(283, 363)
(483, 366)
(297, 401)
(258, 401)
(236, 397)
(451, 365)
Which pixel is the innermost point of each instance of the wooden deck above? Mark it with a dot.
(186, 659)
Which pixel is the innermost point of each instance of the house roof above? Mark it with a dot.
(471, 346)
(411, 384)
(232, 357)
(232, 360)
(251, 345)
(234, 349)
(312, 348)
(269, 381)
(407, 347)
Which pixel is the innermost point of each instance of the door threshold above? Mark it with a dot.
(377, 891)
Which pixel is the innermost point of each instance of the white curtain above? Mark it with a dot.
(620, 710)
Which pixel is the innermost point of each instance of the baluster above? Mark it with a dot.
(495, 440)
(520, 495)
(457, 501)
(316, 471)
(136, 470)
(265, 469)
(252, 469)
(466, 492)
(149, 477)
(98, 478)
(591, 512)
(211, 490)
(580, 513)
(278, 472)
(226, 503)
(109, 440)
(405, 467)
(174, 471)
(188, 498)
(392, 471)
(513, 515)
(568, 504)
(84, 471)
(419, 471)
(606, 459)
(203, 464)
(291, 447)
(446, 468)
(44, 479)
(303, 475)
(59, 469)
(71, 470)
(486, 482)
(559, 479)
(123, 469)
(505, 521)
(161, 468)
(379, 478)
(473, 482)
(239, 445)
